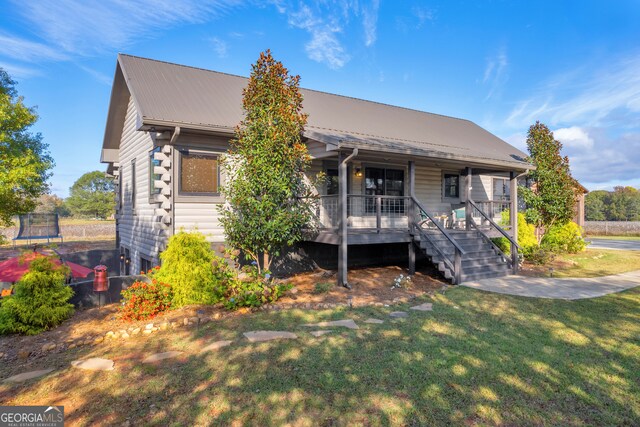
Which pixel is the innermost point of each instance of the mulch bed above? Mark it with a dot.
(370, 286)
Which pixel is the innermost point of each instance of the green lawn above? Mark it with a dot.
(476, 359)
(589, 263)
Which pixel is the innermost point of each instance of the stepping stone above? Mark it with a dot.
(374, 321)
(215, 346)
(319, 333)
(427, 306)
(347, 323)
(162, 356)
(27, 376)
(258, 336)
(398, 314)
(93, 364)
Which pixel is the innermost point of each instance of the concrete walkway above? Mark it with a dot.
(569, 289)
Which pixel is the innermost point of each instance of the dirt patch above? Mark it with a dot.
(369, 286)
(536, 270)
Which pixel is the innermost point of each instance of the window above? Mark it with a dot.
(145, 264)
(199, 173)
(153, 177)
(501, 189)
(384, 182)
(332, 181)
(133, 184)
(451, 186)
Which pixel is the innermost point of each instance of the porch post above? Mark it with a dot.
(514, 219)
(467, 197)
(342, 220)
(411, 216)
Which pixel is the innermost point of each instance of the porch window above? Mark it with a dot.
(199, 173)
(501, 189)
(451, 186)
(332, 181)
(153, 177)
(384, 182)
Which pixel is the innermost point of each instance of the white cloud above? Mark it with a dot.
(324, 45)
(423, 14)
(26, 50)
(495, 72)
(573, 136)
(585, 96)
(219, 46)
(100, 77)
(19, 72)
(370, 21)
(85, 28)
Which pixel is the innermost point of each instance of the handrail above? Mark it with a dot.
(445, 259)
(493, 223)
(437, 224)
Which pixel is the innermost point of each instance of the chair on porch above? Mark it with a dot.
(458, 219)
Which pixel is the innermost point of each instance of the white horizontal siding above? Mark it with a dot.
(138, 230)
(203, 217)
(429, 190)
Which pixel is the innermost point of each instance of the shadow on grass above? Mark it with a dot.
(478, 358)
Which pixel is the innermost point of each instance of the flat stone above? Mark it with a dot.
(374, 321)
(147, 331)
(162, 356)
(27, 376)
(398, 314)
(164, 326)
(149, 326)
(257, 336)
(135, 331)
(347, 323)
(427, 306)
(93, 364)
(320, 333)
(215, 346)
(124, 336)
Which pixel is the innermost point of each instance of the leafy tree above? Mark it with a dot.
(24, 159)
(595, 205)
(50, 203)
(552, 196)
(93, 194)
(268, 200)
(623, 204)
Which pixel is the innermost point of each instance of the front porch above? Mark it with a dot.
(372, 204)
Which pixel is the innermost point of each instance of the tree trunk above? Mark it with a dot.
(266, 261)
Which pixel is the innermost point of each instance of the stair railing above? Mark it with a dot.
(513, 259)
(456, 265)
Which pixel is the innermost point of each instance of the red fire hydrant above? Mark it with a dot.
(100, 280)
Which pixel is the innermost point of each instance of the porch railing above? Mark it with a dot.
(365, 212)
(485, 232)
(492, 208)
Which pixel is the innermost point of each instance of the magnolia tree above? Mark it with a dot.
(269, 203)
(551, 199)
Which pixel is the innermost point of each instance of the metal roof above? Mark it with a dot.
(177, 95)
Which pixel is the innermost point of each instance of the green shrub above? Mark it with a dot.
(40, 301)
(253, 290)
(564, 238)
(526, 236)
(195, 273)
(540, 256)
(143, 300)
(322, 287)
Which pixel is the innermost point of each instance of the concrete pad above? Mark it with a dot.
(374, 321)
(93, 364)
(320, 333)
(555, 288)
(347, 323)
(259, 336)
(27, 376)
(398, 314)
(427, 306)
(158, 357)
(215, 346)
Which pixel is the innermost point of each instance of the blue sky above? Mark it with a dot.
(574, 65)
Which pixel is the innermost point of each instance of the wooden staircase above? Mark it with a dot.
(481, 259)
(463, 255)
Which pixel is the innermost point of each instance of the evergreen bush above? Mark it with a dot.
(253, 289)
(526, 235)
(195, 273)
(40, 301)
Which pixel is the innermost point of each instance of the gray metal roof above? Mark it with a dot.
(171, 94)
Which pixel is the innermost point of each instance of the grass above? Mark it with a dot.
(476, 359)
(591, 263)
(634, 238)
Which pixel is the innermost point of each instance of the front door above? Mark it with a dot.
(384, 182)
